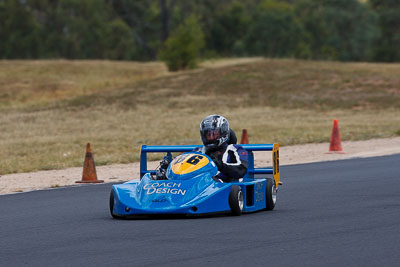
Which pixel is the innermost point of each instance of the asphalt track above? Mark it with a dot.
(341, 213)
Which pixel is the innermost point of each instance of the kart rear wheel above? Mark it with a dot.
(270, 194)
(236, 200)
(112, 205)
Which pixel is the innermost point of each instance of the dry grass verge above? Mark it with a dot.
(284, 101)
(39, 82)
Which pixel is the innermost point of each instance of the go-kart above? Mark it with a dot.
(190, 187)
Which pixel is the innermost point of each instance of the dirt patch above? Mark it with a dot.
(289, 155)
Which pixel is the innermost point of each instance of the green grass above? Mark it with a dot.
(128, 104)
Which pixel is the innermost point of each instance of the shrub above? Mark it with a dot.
(183, 47)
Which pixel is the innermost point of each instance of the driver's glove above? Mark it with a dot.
(218, 161)
(160, 174)
(165, 162)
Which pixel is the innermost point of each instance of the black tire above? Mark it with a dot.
(236, 200)
(112, 205)
(270, 194)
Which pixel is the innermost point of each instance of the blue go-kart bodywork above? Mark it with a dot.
(191, 188)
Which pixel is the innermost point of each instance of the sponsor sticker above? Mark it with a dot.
(164, 188)
(259, 192)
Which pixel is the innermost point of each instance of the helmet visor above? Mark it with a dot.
(211, 136)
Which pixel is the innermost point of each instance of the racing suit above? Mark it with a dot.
(231, 160)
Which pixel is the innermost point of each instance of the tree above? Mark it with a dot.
(229, 26)
(275, 32)
(166, 9)
(183, 46)
(19, 30)
(387, 47)
(338, 29)
(72, 29)
(118, 41)
(84, 27)
(143, 17)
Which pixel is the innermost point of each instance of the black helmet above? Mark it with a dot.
(214, 132)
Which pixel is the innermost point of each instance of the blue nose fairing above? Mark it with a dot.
(193, 192)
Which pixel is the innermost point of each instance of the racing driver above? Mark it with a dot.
(220, 145)
(219, 142)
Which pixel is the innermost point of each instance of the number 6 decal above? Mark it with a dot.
(195, 159)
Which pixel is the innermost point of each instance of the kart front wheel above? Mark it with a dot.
(236, 200)
(112, 205)
(270, 194)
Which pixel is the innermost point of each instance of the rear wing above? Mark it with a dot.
(251, 172)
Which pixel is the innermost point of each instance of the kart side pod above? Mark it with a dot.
(251, 172)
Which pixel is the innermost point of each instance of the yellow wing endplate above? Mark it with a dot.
(275, 164)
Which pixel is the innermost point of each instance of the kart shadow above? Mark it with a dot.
(153, 217)
(174, 217)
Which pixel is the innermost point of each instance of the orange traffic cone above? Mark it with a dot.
(335, 141)
(89, 169)
(245, 137)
